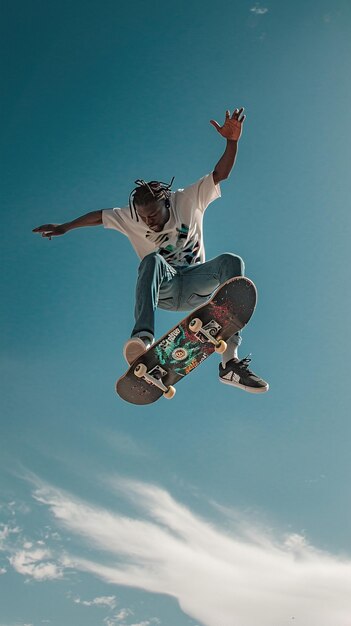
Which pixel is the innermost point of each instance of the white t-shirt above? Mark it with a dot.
(181, 240)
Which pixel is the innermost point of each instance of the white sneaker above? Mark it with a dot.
(134, 347)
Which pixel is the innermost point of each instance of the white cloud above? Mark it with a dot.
(116, 620)
(123, 614)
(18, 507)
(109, 601)
(6, 531)
(246, 577)
(36, 564)
(259, 10)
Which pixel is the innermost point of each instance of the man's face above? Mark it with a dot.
(155, 215)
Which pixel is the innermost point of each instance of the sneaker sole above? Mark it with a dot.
(244, 387)
(130, 359)
(133, 352)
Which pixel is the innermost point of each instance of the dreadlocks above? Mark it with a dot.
(145, 193)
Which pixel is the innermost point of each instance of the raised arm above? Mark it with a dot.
(231, 131)
(94, 218)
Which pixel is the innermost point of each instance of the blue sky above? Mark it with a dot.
(218, 505)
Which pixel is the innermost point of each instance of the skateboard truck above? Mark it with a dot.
(141, 372)
(196, 327)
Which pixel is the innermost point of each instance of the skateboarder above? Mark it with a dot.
(165, 230)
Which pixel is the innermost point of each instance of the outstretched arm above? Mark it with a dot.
(231, 131)
(94, 218)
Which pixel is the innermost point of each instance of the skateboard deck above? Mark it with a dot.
(155, 372)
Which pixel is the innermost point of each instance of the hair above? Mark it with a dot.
(145, 193)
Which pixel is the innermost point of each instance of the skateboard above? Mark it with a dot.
(204, 331)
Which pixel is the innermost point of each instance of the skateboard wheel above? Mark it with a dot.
(195, 325)
(221, 346)
(140, 370)
(170, 393)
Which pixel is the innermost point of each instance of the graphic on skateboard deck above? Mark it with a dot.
(188, 344)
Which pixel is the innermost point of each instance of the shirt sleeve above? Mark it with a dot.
(113, 218)
(201, 193)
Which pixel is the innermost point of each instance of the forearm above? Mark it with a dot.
(226, 162)
(94, 218)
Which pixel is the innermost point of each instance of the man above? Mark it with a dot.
(165, 230)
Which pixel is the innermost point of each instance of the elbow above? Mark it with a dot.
(218, 177)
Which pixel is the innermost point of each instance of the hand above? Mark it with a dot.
(50, 230)
(232, 126)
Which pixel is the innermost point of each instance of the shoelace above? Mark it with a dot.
(244, 364)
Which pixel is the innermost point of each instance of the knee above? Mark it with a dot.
(151, 260)
(232, 265)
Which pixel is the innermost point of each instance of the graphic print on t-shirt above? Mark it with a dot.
(180, 251)
(181, 240)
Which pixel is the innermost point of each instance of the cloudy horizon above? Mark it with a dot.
(219, 575)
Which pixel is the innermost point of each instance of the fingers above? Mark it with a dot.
(44, 227)
(241, 117)
(215, 124)
(238, 115)
(46, 230)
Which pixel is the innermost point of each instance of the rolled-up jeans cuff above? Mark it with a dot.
(237, 338)
(145, 333)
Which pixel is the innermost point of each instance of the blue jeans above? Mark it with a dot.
(181, 289)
